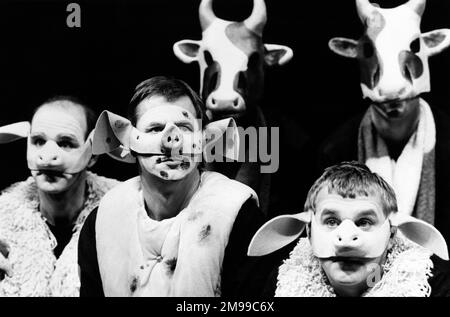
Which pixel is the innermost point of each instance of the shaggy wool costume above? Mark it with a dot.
(178, 256)
(36, 270)
(406, 273)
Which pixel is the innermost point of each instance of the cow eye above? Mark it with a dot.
(415, 45)
(208, 58)
(368, 50)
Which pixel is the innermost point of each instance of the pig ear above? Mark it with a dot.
(422, 233)
(277, 54)
(436, 41)
(344, 47)
(14, 131)
(112, 136)
(223, 136)
(187, 50)
(277, 233)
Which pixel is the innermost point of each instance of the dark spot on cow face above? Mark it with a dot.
(171, 265)
(211, 78)
(415, 46)
(370, 70)
(370, 64)
(158, 160)
(133, 284)
(204, 232)
(374, 25)
(195, 215)
(164, 174)
(411, 65)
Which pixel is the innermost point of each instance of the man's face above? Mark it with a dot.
(395, 121)
(55, 145)
(349, 232)
(167, 125)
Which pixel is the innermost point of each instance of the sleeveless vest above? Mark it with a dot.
(179, 256)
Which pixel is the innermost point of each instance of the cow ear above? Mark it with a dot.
(187, 50)
(277, 54)
(436, 41)
(14, 131)
(344, 47)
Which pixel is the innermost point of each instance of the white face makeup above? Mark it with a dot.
(168, 137)
(57, 150)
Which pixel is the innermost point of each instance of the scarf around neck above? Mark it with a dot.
(412, 176)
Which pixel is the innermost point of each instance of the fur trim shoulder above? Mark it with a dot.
(36, 271)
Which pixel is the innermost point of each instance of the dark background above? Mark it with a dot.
(120, 43)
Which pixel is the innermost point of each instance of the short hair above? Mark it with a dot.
(90, 114)
(350, 180)
(170, 88)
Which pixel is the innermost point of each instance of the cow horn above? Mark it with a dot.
(257, 20)
(206, 13)
(364, 8)
(417, 5)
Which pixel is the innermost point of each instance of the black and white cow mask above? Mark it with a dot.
(231, 56)
(393, 53)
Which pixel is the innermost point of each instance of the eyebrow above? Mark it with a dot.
(37, 134)
(364, 213)
(367, 213)
(178, 122)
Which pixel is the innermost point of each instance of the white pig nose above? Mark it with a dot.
(347, 234)
(172, 141)
(48, 155)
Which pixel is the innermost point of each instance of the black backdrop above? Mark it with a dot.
(122, 42)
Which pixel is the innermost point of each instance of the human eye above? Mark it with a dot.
(186, 127)
(364, 223)
(38, 140)
(67, 144)
(331, 222)
(154, 128)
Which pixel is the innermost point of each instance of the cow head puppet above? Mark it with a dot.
(393, 57)
(231, 56)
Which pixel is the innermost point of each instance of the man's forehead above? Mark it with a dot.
(333, 201)
(167, 113)
(59, 119)
(160, 102)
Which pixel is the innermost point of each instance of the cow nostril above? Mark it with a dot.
(236, 102)
(355, 238)
(169, 139)
(213, 101)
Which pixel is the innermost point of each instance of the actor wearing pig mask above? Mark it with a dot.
(358, 244)
(174, 230)
(41, 217)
